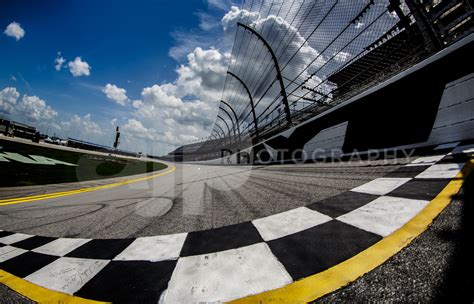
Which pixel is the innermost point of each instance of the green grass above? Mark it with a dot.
(89, 166)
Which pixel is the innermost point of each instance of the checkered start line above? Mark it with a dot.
(235, 261)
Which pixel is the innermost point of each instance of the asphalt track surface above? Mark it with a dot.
(434, 268)
(193, 197)
(196, 192)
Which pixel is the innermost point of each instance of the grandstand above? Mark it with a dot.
(13, 128)
(80, 144)
(294, 60)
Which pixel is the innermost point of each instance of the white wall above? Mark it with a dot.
(455, 118)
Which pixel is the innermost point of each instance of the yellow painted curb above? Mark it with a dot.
(320, 284)
(37, 293)
(33, 198)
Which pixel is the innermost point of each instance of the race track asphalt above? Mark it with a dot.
(193, 197)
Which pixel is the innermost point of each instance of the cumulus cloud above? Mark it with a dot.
(85, 124)
(359, 25)
(115, 94)
(137, 103)
(59, 61)
(285, 39)
(342, 56)
(166, 115)
(136, 129)
(170, 114)
(8, 98)
(31, 108)
(79, 67)
(203, 75)
(83, 128)
(35, 109)
(79, 127)
(15, 30)
(230, 19)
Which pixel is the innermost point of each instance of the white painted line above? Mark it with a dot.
(41, 160)
(381, 186)
(463, 149)
(61, 246)
(384, 215)
(441, 171)
(8, 252)
(154, 248)
(427, 160)
(226, 275)
(447, 146)
(45, 160)
(13, 238)
(289, 222)
(18, 157)
(67, 275)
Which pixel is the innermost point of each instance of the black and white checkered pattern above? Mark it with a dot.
(234, 261)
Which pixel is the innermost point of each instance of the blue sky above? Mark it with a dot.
(131, 45)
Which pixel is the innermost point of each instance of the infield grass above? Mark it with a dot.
(88, 166)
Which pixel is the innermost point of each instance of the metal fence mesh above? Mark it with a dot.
(294, 59)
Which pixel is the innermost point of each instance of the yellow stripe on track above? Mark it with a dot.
(320, 284)
(39, 294)
(33, 198)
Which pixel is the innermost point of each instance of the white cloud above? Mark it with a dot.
(31, 108)
(230, 19)
(136, 129)
(59, 61)
(342, 56)
(359, 25)
(137, 103)
(166, 115)
(15, 30)
(207, 21)
(83, 128)
(86, 125)
(115, 93)
(171, 114)
(220, 4)
(79, 67)
(80, 127)
(185, 44)
(35, 109)
(203, 75)
(8, 98)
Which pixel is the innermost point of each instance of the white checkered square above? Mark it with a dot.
(225, 275)
(154, 248)
(61, 246)
(9, 252)
(289, 222)
(427, 160)
(381, 186)
(67, 275)
(384, 215)
(13, 238)
(441, 171)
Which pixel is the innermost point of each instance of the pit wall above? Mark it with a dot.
(430, 103)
